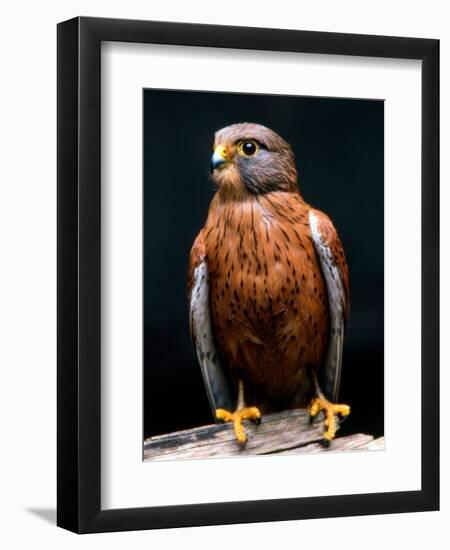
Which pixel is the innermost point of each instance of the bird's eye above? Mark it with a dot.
(248, 148)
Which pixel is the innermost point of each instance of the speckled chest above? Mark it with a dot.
(267, 295)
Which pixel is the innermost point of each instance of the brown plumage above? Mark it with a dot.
(269, 304)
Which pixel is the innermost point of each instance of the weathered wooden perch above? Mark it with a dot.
(288, 432)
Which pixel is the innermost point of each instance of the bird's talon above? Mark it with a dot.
(244, 413)
(330, 410)
(223, 415)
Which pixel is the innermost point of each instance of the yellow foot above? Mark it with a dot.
(330, 410)
(244, 413)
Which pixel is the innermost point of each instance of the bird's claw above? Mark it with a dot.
(330, 410)
(244, 413)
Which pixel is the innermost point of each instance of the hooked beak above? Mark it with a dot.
(220, 157)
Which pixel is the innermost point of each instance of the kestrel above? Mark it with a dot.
(268, 287)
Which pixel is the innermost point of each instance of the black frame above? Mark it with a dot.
(79, 322)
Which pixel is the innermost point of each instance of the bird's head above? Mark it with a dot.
(252, 159)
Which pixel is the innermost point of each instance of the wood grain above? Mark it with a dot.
(288, 432)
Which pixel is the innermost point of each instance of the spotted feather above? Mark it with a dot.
(216, 382)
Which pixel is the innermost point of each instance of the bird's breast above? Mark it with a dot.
(268, 298)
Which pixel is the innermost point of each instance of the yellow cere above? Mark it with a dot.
(222, 151)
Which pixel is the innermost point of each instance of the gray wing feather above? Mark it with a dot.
(332, 366)
(217, 385)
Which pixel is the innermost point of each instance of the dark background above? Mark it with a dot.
(339, 148)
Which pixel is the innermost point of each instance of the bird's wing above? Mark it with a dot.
(217, 384)
(335, 272)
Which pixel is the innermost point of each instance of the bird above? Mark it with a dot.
(268, 288)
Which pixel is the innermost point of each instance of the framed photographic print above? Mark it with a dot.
(248, 307)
